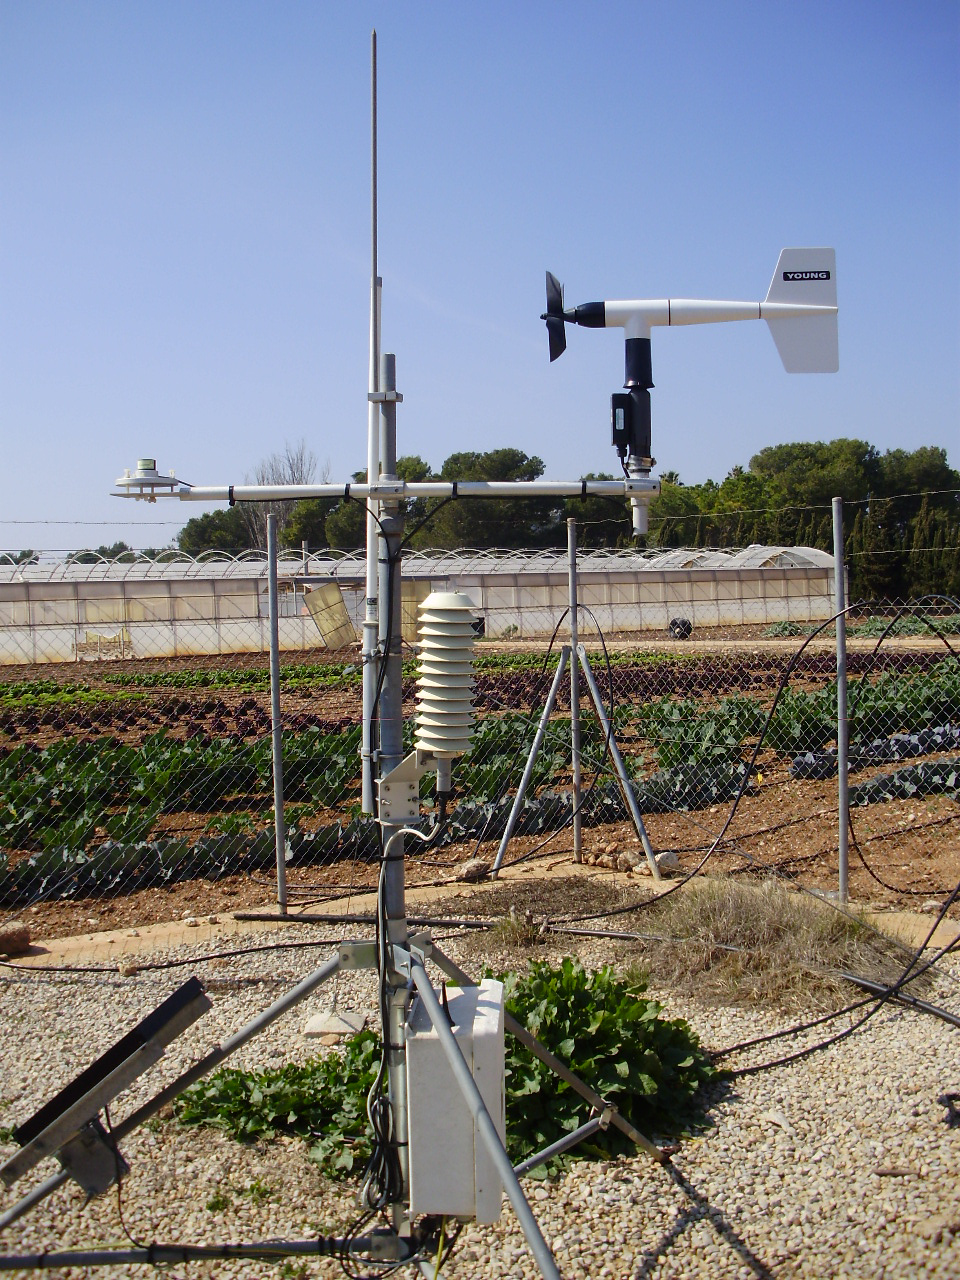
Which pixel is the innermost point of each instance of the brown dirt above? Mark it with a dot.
(782, 825)
(783, 828)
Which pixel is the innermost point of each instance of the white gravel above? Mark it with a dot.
(841, 1165)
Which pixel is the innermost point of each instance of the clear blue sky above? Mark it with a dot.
(184, 232)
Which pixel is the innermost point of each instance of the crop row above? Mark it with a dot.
(513, 680)
(70, 793)
(803, 721)
(123, 866)
(65, 794)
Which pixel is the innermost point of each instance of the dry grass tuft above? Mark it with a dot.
(739, 943)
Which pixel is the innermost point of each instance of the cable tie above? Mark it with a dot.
(231, 500)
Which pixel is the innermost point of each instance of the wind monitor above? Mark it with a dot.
(800, 308)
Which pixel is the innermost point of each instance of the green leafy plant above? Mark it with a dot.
(259, 1191)
(232, 824)
(322, 1101)
(612, 1035)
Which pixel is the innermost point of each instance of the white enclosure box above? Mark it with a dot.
(450, 1169)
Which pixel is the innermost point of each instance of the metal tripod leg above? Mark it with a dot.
(486, 1129)
(519, 1031)
(531, 759)
(625, 787)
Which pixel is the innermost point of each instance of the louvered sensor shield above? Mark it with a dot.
(444, 716)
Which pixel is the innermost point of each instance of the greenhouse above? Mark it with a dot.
(67, 609)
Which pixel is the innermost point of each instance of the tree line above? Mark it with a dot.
(901, 511)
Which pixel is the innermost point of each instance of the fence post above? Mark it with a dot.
(574, 691)
(279, 826)
(843, 725)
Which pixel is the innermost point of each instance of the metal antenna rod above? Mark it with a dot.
(371, 614)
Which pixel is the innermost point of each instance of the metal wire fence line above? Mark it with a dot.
(121, 774)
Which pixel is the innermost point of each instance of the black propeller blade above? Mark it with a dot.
(554, 317)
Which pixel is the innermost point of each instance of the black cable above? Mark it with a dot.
(426, 520)
(912, 893)
(153, 966)
(118, 1164)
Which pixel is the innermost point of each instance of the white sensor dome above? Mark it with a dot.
(445, 679)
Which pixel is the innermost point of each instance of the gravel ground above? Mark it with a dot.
(843, 1164)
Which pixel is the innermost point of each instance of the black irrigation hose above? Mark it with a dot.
(718, 840)
(39, 970)
(923, 1006)
(892, 888)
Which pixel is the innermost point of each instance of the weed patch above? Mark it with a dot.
(762, 944)
(609, 1032)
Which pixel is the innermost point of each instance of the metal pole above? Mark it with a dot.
(370, 660)
(843, 724)
(158, 1255)
(538, 739)
(619, 766)
(550, 1060)
(574, 692)
(486, 1129)
(413, 489)
(187, 1078)
(279, 826)
(389, 715)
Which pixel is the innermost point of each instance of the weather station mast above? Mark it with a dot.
(443, 1054)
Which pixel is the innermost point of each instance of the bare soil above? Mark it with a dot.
(788, 829)
(902, 853)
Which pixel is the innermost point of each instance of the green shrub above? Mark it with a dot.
(609, 1033)
(615, 1039)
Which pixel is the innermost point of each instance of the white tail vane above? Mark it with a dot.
(806, 339)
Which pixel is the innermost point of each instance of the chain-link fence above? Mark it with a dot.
(122, 778)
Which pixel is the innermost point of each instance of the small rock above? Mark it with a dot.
(667, 861)
(332, 1026)
(127, 968)
(472, 870)
(627, 861)
(191, 922)
(778, 1118)
(213, 919)
(14, 938)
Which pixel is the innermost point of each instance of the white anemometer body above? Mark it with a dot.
(800, 308)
